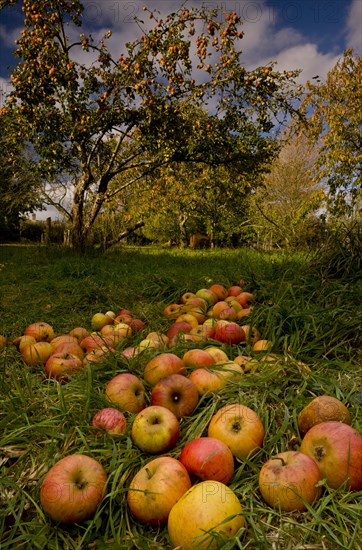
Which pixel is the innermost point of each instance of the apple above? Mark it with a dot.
(239, 427)
(130, 352)
(163, 365)
(96, 357)
(79, 332)
(59, 365)
(218, 308)
(252, 334)
(208, 458)
(230, 370)
(220, 291)
(177, 393)
(99, 320)
(160, 339)
(336, 447)
(242, 360)
(42, 332)
(262, 345)
(196, 311)
(202, 333)
(94, 341)
(230, 333)
(172, 311)
(288, 480)
(73, 489)
(209, 296)
(127, 391)
(110, 314)
(322, 409)
(3, 342)
(188, 318)
(25, 341)
(63, 339)
(207, 380)
(122, 329)
(156, 488)
(155, 430)
(229, 313)
(218, 354)
(137, 325)
(245, 312)
(197, 302)
(244, 298)
(177, 327)
(38, 353)
(71, 347)
(234, 290)
(187, 296)
(205, 517)
(110, 420)
(195, 358)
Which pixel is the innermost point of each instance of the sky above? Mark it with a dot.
(310, 35)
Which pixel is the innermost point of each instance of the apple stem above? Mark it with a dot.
(281, 460)
(148, 473)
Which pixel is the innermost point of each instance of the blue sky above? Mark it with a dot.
(298, 34)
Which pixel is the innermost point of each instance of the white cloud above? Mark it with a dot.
(354, 26)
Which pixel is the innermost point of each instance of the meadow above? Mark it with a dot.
(309, 317)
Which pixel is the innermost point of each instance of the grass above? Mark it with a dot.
(308, 318)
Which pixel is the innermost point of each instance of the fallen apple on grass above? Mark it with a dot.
(164, 364)
(42, 332)
(37, 354)
(289, 480)
(155, 430)
(127, 391)
(239, 427)
(156, 488)
(337, 449)
(208, 458)
(110, 420)
(177, 393)
(73, 489)
(322, 409)
(60, 365)
(3, 342)
(205, 517)
(207, 380)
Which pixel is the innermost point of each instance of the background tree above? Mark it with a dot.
(336, 120)
(283, 208)
(82, 116)
(18, 181)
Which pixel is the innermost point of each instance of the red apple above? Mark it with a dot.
(71, 347)
(110, 420)
(172, 311)
(195, 358)
(155, 430)
(156, 488)
(63, 339)
(322, 409)
(220, 291)
(207, 380)
(96, 357)
(42, 332)
(218, 308)
(163, 365)
(229, 333)
(127, 391)
(59, 365)
(79, 332)
(244, 299)
(208, 458)
(288, 480)
(336, 447)
(234, 290)
(177, 393)
(239, 427)
(187, 296)
(73, 489)
(177, 327)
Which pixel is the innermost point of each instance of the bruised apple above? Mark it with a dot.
(110, 420)
(177, 393)
(42, 332)
(322, 409)
(60, 365)
(127, 391)
(288, 480)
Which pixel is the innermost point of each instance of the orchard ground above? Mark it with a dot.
(307, 317)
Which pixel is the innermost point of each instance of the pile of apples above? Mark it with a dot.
(189, 494)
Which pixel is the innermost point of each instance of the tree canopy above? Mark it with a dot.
(336, 120)
(92, 115)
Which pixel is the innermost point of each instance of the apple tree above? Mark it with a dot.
(93, 112)
(335, 119)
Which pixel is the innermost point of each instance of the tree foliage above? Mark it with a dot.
(336, 119)
(83, 108)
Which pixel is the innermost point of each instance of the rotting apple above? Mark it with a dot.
(289, 480)
(60, 365)
(322, 409)
(42, 332)
(73, 489)
(38, 353)
(156, 488)
(155, 430)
